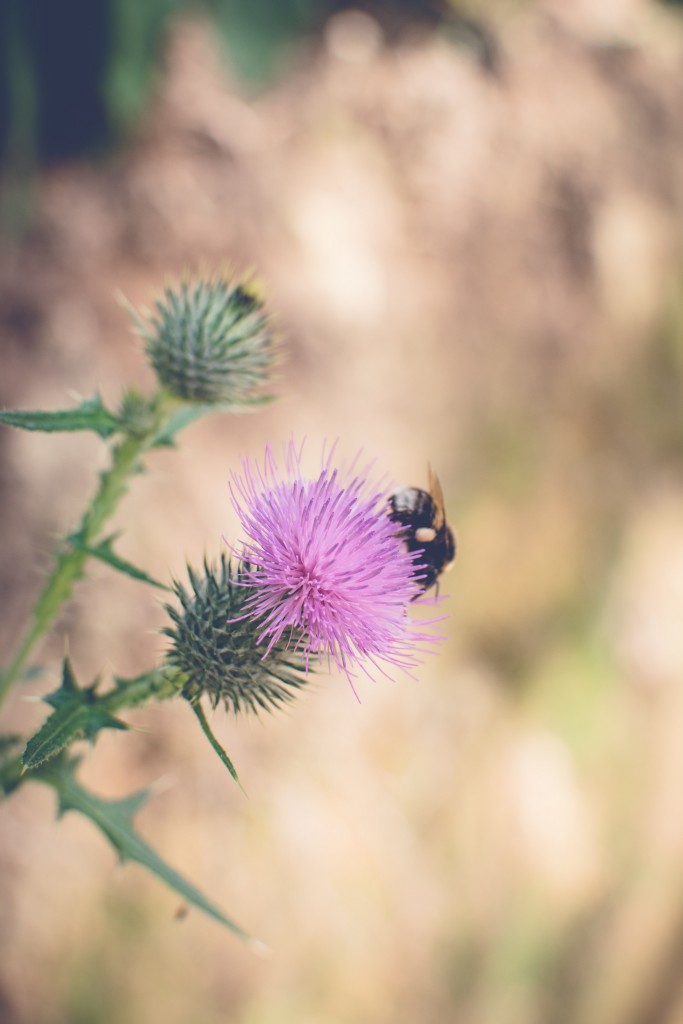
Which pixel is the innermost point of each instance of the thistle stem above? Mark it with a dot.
(70, 559)
(160, 683)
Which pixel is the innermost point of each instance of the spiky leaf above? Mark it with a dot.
(114, 818)
(104, 552)
(89, 415)
(78, 714)
(206, 729)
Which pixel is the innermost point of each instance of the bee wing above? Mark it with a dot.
(437, 497)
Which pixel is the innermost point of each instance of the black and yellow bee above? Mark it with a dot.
(422, 518)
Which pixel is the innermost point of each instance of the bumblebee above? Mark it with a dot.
(422, 519)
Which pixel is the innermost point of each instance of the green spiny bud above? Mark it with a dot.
(210, 342)
(217, 649)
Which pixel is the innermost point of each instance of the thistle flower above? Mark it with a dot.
(217, 650)
(328, 573)
(210, 342)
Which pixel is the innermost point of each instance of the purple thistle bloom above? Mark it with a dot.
(328, 569)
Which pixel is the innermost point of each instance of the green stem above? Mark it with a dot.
(159, 683)
(69, 561)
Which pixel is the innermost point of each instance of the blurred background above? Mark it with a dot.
(467, 220)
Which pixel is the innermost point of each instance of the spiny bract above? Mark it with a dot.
(217, 649)
(210, 342)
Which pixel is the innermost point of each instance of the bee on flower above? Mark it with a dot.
(329, 572)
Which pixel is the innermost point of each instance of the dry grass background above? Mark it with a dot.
(479, 268)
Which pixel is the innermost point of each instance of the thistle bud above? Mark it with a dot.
(210, 342)
(217, 648)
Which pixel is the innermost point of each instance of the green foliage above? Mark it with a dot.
(206, 729)
(104, 552)
(89, 415)
(260, 35)
(211, 346)
(72, 554)
(82, 712)
(114, 818)
(77, 714)
(137, 31)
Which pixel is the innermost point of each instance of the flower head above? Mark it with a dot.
(216, 649)
(210, 342)
(328, 570)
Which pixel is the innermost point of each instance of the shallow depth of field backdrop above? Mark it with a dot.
(468, 224)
